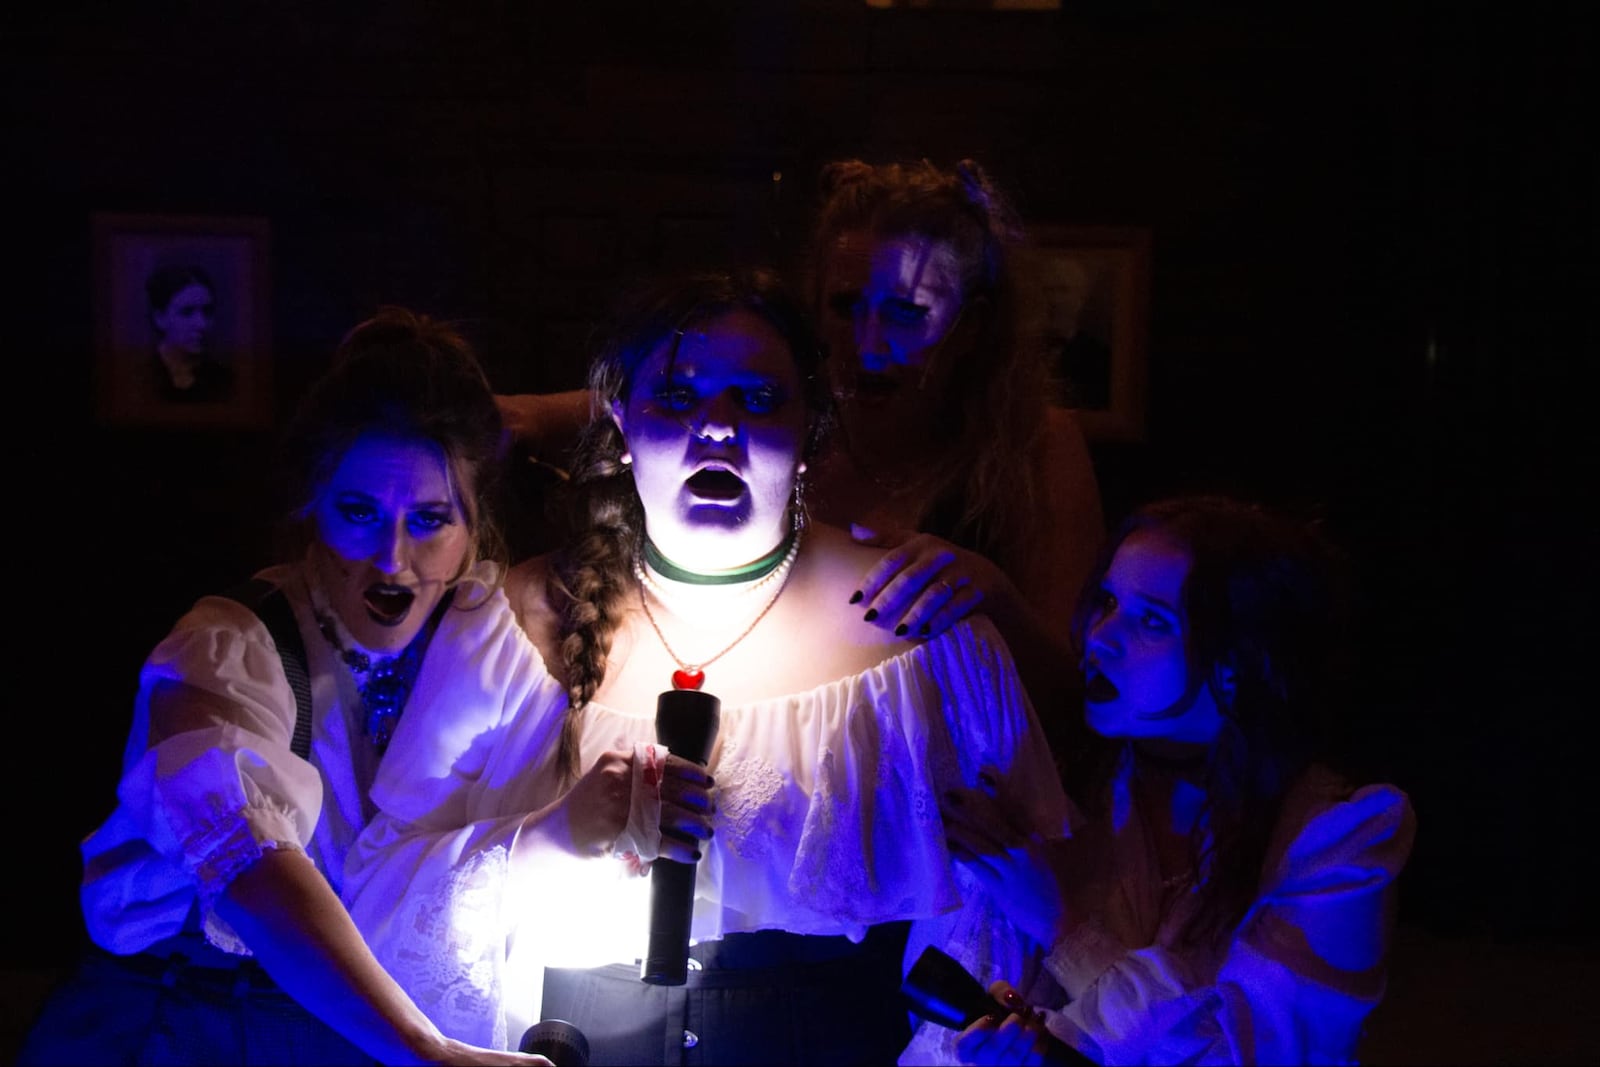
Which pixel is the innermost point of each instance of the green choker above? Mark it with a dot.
(748, 573)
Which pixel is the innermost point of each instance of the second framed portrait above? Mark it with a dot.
(182, 321)
(1095, 318)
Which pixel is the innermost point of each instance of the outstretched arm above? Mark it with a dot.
(283, 908)
(294, 924)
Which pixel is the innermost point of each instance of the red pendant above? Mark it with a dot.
(688, 679)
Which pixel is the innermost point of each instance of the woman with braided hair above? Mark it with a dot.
(822, 861)
(951, 455)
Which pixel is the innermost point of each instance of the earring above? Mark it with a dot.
(626, 459)
(797, 506)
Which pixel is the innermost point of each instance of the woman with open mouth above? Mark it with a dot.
(955, 453)
(820, 862)
(211, 894)
(1231, 898)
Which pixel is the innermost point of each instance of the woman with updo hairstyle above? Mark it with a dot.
(434, 393)
(211, 895)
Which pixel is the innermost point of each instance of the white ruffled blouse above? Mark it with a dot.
(827, 823)
(1297, 979)
(196, 807)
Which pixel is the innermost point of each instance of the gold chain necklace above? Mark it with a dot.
(693, 675)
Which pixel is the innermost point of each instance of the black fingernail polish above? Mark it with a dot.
(855, 598)
(872, 613)
(902, 630)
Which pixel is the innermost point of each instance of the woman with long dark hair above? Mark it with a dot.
(1230, 898)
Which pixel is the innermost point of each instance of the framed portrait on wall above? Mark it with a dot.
(1095, 322)
(182, 321)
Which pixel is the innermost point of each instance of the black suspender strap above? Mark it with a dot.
(272, 607)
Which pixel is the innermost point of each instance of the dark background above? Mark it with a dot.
(1372, 282)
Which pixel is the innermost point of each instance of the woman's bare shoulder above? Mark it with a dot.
(836, 559)
(527, 586)
(530, 572)
(835, 569)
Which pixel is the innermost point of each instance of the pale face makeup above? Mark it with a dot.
(888, 306)
(716, 430)
(392, 537)
(1137, 673)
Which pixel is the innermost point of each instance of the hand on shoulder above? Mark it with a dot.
(851, 572)
(922, 585)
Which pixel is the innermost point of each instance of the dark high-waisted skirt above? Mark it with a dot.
(764, 997)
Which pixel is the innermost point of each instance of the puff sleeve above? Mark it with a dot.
(205, 787)
(1297, 979)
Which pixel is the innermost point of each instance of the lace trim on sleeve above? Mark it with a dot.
(225, 843)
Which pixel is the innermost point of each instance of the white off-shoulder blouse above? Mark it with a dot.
(827, 823)
(197, 805)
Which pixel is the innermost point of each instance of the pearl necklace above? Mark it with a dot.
(693, 675)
